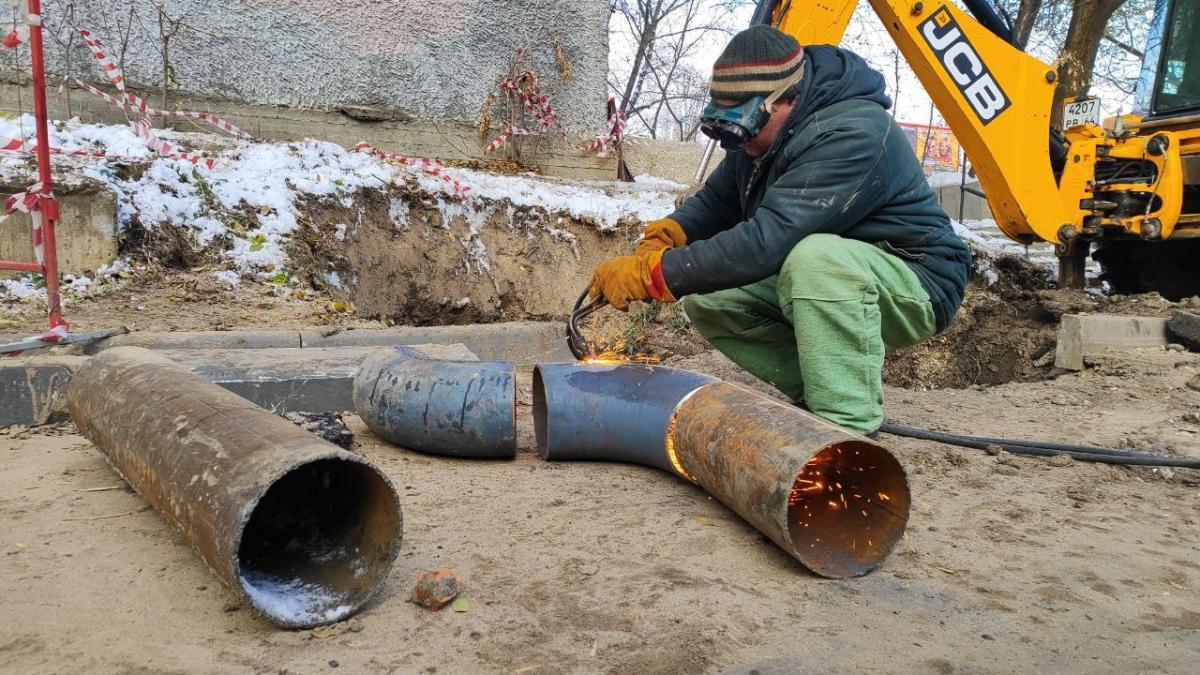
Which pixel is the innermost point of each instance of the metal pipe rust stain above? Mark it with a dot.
(302, 530)
(833, 500)
(454, 408)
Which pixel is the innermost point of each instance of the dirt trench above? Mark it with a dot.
(418, 262)
(400, 256)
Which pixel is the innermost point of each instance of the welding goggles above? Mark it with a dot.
(735, 124)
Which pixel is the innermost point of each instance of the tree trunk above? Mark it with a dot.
(1023, 25)
(649, 17)
(1078, 56)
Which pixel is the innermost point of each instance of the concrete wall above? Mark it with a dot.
(974, 207)
(411, 76)
(433, 61)
(673, 160)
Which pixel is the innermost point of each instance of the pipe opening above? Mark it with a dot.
(312, 548)
(540, 432)
(847, 508)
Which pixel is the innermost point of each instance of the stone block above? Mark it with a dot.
(1081, 336)
(33, 390)
(1184, 327)
(86, 232)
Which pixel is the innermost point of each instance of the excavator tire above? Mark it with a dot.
(1172, 268)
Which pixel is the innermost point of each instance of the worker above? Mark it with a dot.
(816, 244)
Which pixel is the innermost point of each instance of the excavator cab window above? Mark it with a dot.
(1178, 88)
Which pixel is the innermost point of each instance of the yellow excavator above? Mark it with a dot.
(1127, 188)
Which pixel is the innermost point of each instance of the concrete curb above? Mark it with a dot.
(524, 342)
(283, 371)
(1081, 336)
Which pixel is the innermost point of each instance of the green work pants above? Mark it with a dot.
(819, 328)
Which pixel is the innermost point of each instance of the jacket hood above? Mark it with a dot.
(837, 75)
(832, 75)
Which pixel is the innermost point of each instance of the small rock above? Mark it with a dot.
(355, 626)
(1007, 458)
(1166, 472)
(231, 606)
(994, 449)
(462, 302)
(333, 663)
(1176, 347)
(1194, 383)
(1061, 460)
(1006, 470)
(435, 589)
(1192, 417)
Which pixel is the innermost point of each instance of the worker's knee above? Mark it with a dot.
(822, 267)
(704, 312)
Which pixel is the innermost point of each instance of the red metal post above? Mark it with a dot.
(49, 207)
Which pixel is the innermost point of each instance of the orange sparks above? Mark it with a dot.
(884, 497)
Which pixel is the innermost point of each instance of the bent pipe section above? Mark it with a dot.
(301, 530)
(835, 501)
(463, 409)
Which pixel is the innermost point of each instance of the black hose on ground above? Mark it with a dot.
(1083, 453)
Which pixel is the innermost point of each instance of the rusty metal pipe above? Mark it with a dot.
(454, 408)
(835, 501)
(302, 530)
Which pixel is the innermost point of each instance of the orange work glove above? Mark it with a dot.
(661, 235)
(620, 281)
(628, 278)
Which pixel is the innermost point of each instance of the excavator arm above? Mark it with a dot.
(996, 99)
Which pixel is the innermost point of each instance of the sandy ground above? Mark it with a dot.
(1009, 564)
(193, 299)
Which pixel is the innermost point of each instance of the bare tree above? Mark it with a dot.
(657, 84)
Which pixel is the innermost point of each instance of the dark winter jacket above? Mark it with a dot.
(840, 165)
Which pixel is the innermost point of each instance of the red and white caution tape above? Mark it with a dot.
(431, 167)
(525, 86)
(139, 104)
(106, 63)
(20, 35)
(144, 131)
(508, 131)
(30, 201)
(612, 136)
(132, 105)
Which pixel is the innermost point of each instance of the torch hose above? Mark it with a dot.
(1083, 453)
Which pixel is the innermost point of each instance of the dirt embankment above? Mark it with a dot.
(411, 262)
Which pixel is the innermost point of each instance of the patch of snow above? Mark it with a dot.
(604, 203)
(21, 288)
(334, 279)
(940, 179)
(229, 277)
(339, 232)
(29, 287)
(646, 180)
(398, 211)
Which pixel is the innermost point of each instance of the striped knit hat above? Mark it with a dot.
(755, 63)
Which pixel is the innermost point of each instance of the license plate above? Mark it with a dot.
(1080, 112)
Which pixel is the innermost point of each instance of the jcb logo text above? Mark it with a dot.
(964, 66)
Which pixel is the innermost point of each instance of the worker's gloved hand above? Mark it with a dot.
(661, 235)
(628, 278)
(621, 281)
